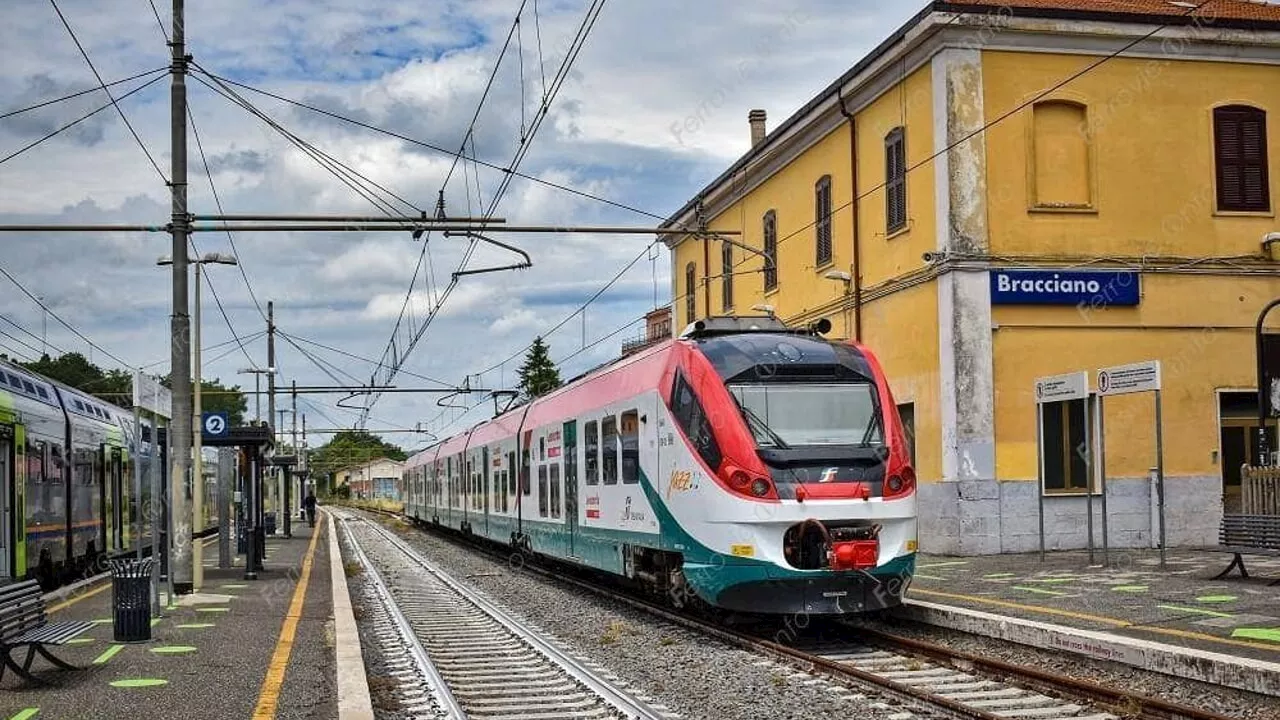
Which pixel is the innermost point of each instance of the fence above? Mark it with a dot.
(1260, 490)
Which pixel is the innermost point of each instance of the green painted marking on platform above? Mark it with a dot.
(1041, 591)
(1130, 588)
(173, 649)
(1197, 611)
(1268, 634)
(997, 576)
(951, 563)
(80, 641)
(139, 682)
(107, 654)
(155, 621)
(25, 714)
(101, 621)
(213, 609)
(1051, 580)
(1216, 598)
(929, 577)
(235, 586)
(196, 625)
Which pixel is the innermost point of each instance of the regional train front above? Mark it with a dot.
(795, 491)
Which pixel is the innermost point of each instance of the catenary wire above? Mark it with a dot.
(74, 95)
(371, 361)
(58, 317)
(107, 90)
(78, 120)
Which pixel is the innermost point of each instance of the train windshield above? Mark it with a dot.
(783, 415)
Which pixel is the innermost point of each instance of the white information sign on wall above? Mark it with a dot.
(1134, 378)
(150, 396)
(1058, 388)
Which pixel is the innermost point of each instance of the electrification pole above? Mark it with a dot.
(271, 391)
(293, 471)
(180, 329)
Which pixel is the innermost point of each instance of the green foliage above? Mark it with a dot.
(351, 447)
(538, 375)
(116, 386)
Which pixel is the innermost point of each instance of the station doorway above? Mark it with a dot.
(1238, 440)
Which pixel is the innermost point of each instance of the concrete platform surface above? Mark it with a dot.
(237, 649)
(1127, 609)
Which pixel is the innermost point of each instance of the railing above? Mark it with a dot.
(1260, 490)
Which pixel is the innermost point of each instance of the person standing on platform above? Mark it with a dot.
(309, 504)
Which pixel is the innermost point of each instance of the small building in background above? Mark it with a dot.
(657, 327)
(378, 479)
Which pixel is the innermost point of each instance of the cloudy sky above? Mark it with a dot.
(653, 107)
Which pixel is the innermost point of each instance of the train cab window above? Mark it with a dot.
(542, 491)
(590, 432)
(631, 447)
(693, 420)
(555, 490)
(609, 450)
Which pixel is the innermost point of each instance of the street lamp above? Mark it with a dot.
(847, 279)
(197, 470)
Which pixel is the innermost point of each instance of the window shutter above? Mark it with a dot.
(771, 250)
(1240, 156)
(689, 298)
(726, 280)
(895, 180)
(822, 221)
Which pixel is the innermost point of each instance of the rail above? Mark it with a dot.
(898, 672)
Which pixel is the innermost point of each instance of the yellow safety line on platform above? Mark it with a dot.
(271, 684)
(1186, 634)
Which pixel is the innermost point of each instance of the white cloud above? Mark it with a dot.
(620, 128)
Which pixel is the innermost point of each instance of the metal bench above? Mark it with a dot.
(23, 624)
(1255, 530)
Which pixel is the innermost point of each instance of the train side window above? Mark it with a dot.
(525, 477)
(542, 491)
(555, 490)
(695, 423)
(591, 434)
(511, 473)
(31, 389)
(44, 394)
(631, 447)
(609, 450)
(542, 448)
(15, 382)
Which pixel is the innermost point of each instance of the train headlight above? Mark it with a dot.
(740, 480)
(895, 485)
(760, 487)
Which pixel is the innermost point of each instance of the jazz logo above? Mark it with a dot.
(681, 480)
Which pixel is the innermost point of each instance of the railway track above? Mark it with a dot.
(457, 655)
(934, 678)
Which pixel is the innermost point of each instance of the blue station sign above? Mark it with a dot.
(1085, 288)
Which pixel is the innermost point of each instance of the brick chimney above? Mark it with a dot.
(756, 118)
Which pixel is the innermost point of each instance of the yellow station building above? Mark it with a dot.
(998, 194)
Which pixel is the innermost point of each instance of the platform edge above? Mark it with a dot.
(1258, 676)
(354, 701)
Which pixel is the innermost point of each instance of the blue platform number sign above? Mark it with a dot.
(214, 424)
(1085, 289)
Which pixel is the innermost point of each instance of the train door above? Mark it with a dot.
(6, 492)
(570, 452)
(484, 475)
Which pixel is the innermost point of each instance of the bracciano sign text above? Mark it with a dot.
(1093, 288)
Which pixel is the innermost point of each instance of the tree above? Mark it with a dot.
(538, 375)
(351, 447)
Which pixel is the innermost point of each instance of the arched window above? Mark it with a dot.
(771, 250)
(1240, 158)
(1062, 174)
(726, 275)
(895, 180)
(690, 276)
(822, 220)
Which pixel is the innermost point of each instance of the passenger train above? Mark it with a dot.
(745, 466)
(66, 479)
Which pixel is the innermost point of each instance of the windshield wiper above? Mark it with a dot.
(754, 418)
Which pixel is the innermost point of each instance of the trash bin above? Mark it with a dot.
(131, 599)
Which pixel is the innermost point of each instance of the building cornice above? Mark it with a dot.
(931, 32)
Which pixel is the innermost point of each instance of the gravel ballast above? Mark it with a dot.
(694, 676)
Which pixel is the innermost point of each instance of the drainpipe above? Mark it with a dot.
(853, 195)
